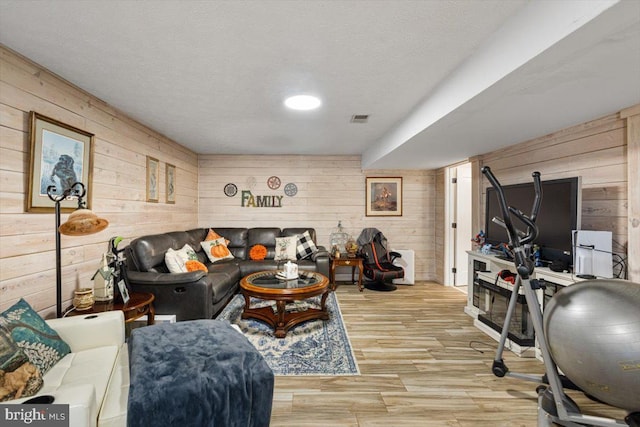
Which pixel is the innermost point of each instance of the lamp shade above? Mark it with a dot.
(82, 222)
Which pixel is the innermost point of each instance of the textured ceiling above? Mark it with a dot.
(212, 75)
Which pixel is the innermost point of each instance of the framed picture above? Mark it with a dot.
(170, 178)
(153, 172)
(61, 156)
(384, 196)
(124, 291)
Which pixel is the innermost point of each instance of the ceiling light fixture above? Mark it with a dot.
(303, 102)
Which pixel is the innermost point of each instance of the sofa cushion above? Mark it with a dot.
(42, 345)
(114, 405)
(248, 266)
(298, 230)
(146, 253)
(179, 238)
(307, 265)
(92, 366)
(224, 275)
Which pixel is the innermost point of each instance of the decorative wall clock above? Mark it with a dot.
(273, 182)
(291, 189)
(230, 190)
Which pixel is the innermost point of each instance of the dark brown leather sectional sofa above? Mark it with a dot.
(200, 295)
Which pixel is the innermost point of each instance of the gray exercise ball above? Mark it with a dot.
(592, 329)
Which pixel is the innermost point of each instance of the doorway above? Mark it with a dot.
(458, 214)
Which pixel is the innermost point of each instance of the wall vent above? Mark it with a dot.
(360, 118)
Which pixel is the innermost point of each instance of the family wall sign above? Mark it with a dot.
(249, 200)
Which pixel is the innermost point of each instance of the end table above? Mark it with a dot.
(354, 263)
(139, 304)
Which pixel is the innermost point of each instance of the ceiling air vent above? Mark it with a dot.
(360, 118)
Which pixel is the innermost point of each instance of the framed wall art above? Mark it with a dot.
(60, 155)
(153, 172)
(170, 178)
(384, 196)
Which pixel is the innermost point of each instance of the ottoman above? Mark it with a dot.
(197, 373)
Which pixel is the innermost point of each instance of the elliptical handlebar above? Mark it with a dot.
(537, 185)
(532, 230)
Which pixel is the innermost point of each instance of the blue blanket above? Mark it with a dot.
(197, 373)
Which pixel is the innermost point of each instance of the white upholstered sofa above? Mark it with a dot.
(94, 378)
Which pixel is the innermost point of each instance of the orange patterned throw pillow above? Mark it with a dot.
(212, 235)
(219, 251)
(258, 253)
(216, 250)
(193, 265)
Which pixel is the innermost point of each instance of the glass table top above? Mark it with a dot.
(268, 279)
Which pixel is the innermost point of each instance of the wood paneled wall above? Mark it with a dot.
(27, 240)
(330, 189)
(632, 117)
(441, 226)
(595, 151)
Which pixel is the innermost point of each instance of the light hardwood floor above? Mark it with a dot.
(418, 365)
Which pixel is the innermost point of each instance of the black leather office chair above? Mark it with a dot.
(378, 261)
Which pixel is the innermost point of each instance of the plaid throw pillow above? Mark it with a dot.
(305, 247)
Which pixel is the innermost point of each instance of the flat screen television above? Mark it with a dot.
(559, 215)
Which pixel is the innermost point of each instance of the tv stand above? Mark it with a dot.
(488, 296)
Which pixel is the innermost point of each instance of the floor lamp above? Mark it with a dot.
(81, 222)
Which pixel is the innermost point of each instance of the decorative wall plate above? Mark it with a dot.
(291, 189)
(230, 190)
(273, 182)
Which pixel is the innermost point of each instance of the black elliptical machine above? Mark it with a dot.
(554, 406)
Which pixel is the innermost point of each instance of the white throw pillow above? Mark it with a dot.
(175, 259)
(216, 249)
(286, 248)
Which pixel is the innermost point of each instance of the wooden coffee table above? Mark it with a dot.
(266, 286)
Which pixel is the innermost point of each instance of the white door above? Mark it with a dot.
(458, 223)
(464, 233)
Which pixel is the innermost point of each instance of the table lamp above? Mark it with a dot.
(81, 222)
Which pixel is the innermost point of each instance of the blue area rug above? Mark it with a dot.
(316, 347)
